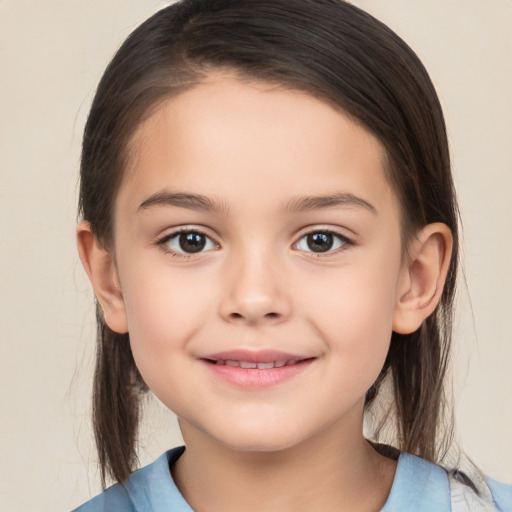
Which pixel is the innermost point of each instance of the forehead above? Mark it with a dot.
(236, 138)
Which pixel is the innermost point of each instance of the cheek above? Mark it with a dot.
(164, 314)
(354, 313)
(164, 310)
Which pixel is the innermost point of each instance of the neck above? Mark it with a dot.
(322, 473)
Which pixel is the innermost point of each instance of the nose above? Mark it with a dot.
(254, 291)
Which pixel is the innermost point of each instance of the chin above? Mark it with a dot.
(261, 440)
(253, 431)
(258, 446)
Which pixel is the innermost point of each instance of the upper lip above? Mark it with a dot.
(255, 356)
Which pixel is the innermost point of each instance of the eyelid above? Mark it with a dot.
(347, 241)
(162, 241)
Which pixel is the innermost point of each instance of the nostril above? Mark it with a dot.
(270, 316)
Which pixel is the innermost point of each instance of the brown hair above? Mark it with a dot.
(338, 53)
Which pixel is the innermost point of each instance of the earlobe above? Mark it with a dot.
(422, 277)
(101, 270)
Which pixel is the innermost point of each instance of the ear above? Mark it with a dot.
(422, 279)
(101, 269)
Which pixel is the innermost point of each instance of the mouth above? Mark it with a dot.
(256, 370)
(254, 365)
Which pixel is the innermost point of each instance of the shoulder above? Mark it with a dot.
(502, 494)
(471, 490)
(486, 495)
(425, 486)
(149, 488)
(418, 485)
(115, 498)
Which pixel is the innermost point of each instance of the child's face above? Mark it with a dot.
(248, 171)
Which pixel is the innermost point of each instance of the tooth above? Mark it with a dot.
(291, 361)
(232, 363)
(279, 364)
(265, 366)
(219, 361)
(247, 364)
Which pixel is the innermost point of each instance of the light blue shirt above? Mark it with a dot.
(418, 486)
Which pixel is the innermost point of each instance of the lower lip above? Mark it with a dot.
(254, 378)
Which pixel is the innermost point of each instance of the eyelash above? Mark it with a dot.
(164, 241)
(344, 240)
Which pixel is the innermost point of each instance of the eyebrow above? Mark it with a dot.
(183, 200)
(297, 204)
(307, 203)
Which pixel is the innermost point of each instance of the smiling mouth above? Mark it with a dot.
(256, 369)
(268, 365)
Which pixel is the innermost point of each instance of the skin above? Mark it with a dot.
(254, 150)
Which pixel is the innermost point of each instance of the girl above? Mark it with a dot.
(270, 228)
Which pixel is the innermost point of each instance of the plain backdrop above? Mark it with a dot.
(52, 53)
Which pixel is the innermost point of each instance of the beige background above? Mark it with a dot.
(52, 53)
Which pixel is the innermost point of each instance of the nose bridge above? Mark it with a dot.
(254, 290)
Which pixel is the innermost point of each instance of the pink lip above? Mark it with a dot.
(256, 378)
(255, 356)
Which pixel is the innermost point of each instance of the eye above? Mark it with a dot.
(188, 242)
(322, 241)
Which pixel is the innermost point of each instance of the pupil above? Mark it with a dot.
(192, 242)
(320, 242)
